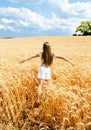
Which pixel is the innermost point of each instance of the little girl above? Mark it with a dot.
(44, 73)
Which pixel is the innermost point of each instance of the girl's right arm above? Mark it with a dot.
(35, 56)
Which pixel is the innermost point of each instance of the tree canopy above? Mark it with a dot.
(83, 29)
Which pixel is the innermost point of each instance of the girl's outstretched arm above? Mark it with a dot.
(35, 56)
(65, 59)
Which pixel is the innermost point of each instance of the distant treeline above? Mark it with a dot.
(8, 37)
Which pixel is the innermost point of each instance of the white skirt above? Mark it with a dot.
(44, 72)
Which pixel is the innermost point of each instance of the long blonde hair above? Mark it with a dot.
(47, 56)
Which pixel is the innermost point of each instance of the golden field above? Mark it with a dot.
(66, 100)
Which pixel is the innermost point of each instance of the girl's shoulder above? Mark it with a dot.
(54, 54)
(40, 54)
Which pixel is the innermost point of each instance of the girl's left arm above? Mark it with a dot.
(67, 60)
(35, 56)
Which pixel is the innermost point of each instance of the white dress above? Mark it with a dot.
(44, 72)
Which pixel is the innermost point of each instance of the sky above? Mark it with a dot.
(35, 18)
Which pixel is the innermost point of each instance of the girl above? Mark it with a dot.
(44, 73)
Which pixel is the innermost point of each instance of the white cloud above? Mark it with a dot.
(10, 28)
(2, 27)
(78, 9)
(34, 1)
(64, 16)
(65, 8)
(24, 23)
(14, 1)
(25, 17)
(7, 21)
(70, 14)
(27, 1)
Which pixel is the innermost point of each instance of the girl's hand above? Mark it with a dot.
(22, 61)
(72, 63)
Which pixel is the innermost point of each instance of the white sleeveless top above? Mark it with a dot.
(44, 72)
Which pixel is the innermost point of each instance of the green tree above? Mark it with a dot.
(83, 29)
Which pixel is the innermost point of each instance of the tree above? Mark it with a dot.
(83, 29)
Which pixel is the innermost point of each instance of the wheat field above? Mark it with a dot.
(66, 100)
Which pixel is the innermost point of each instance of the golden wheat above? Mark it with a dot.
(66, 100)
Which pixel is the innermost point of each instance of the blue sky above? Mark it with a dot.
(31, 18)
